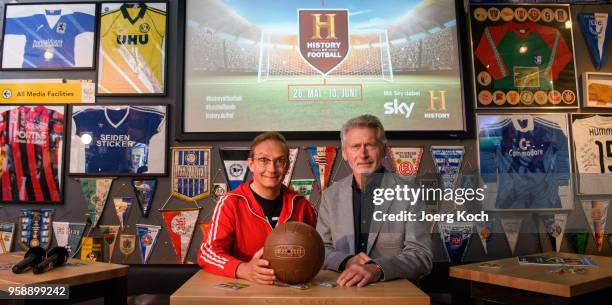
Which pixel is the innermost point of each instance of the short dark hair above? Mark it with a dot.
(269, 135)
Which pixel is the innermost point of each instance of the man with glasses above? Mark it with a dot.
(244, 217)
(363, 249)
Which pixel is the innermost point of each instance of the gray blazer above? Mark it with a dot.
(402, 249)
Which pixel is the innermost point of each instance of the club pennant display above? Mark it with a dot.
(554, 226)
(145, 192)
(596, 212)
(219, 189)
(303, 186)
(596, 30)
(127, 245)
(485, 233)
(122, 208)
(7, 231)
(293, 155)
(68, 234)
(147, 237)
(95, 191)
(109, 235)
(456, 237)
(92, 249)
(235, 165)
(190, 173)
(35, 228)
(406, 161)
(512, 229)
(181, 225)
(577, 241)
(322, 162)
(448, 161)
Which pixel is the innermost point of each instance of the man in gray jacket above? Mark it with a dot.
(357, 243)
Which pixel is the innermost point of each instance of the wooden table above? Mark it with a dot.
(516, 284)
(86, 280)
(200, 289)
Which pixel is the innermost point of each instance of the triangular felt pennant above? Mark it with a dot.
(7, 231)
(145, 192)
(448, 161)
(219, 189)
(109, 234)
(596, 212)
(577, 241)
(235, 165)
(293, 155)
(147, 237)
(122, 207)
(92, 249)
(554, 226)
(406, 161)
(596, 30)
(190, 177)
(322, 162)
(512, 229)
(95, 191)
(485, 233)
(127, 245)
(455, 237)
(68, 235)
(35, 229)
(303, 186)
(181, 225)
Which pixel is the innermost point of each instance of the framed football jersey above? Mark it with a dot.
(118, 140)
(592, 138)
(524, 161)
(53, 36)
(132, 52)
(31, 153)
(523, 56)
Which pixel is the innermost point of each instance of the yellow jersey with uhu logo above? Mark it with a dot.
(132, 50)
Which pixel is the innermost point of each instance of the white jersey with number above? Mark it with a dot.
(593, 144)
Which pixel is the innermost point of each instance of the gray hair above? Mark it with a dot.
(367, 121)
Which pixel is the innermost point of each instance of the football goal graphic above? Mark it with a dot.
(368, 58)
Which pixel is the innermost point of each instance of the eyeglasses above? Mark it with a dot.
(278, 163)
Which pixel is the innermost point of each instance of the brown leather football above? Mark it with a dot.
(295, 252)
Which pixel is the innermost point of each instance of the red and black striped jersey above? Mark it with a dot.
(30, 138)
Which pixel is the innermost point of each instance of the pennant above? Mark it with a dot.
(235, 165)
(145, 192)
(7, 231)
(596, 29)
(109, 235)
(35, 228)
(322, 162)
(455, 237)
(190, 173)
(485, 233)
(577, 241)
(512, 229)
(596, 212)
(122, 208)
(219, 189)
(303, 186)
(406, 161)
(147, 236)
(448, 161)
(95, 191)
(554, 226)
(127, 245)
(92, 249)
(293, 155)
(68, 235)
(180, 225)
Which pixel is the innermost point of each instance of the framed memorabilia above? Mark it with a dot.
(50, 36)
(524, 161)
(597, 90)
(132, 56)
(592, 139)
(523, 56)
(31, 150)
(118, 140)
(292, 63)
